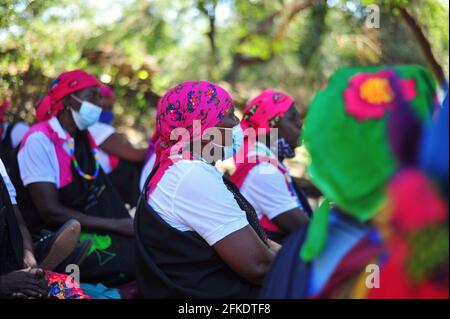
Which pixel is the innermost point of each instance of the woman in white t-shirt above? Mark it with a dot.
(59, 166)
(260, 174)
(196, 236)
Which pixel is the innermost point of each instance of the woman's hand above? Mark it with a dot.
(25, 283)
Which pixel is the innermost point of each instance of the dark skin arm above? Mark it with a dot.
(45, 197)
(246, 254)
(118, 145)
(29, 260)
(291, 220)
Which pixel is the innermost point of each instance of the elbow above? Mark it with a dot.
(258, 270)
(50, 217)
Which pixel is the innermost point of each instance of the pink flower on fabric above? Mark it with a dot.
(415, 202)
(370, 95)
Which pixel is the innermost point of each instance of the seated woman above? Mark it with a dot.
(286, 208)
(10, 134)
(344, 252)
(196, 236)
(121, 160)
(21, 265)
(58, 163)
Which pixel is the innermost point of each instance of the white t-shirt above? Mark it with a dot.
(101, 132)
(191, 196)
(17, 132)
(266, 188)
(147, 170)
(37, 159)
(9, 185)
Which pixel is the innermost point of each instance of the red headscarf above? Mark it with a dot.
(3, 107)
(65, 84)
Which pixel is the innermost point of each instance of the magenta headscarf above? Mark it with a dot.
(178, 109)
(106, 91)
(263, 112)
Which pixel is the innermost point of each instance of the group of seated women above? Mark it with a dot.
(376, 138)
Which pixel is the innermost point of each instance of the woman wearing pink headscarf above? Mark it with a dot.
(196, 236)
(259, 167)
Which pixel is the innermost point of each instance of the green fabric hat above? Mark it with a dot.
(345, 133)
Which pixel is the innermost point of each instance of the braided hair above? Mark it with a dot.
(247, 208)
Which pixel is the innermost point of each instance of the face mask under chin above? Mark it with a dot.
(228, 151)
(284, 149)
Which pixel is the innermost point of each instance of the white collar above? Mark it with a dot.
(261, 149)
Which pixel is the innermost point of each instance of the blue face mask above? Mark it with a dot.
(106, 117)
(88, 114)
(237, 142)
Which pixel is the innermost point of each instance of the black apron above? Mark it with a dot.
(175, 264)
(110, 261)
(11, 241)
(6, 149)
(125, 179)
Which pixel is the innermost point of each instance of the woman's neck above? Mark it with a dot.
(197, 152)
(67, 123)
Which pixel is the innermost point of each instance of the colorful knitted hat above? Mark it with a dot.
(346, 134)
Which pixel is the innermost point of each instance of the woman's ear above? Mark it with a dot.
(67, 102)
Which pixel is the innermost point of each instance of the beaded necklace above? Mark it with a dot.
(75, 162)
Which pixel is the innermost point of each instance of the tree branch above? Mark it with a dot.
(286, 14)
(424, 45)
(210, 12)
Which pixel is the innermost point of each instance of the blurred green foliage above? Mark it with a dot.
(143, 47)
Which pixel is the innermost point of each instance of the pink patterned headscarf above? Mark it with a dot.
(265, 110)
(183, 104)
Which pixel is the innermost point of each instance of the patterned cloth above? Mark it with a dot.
(263, 112)
(62, 286)
(65, 84)
(185, 103)
(266, 110)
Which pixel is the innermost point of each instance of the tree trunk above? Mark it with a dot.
(209, 10)
(424, 45)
